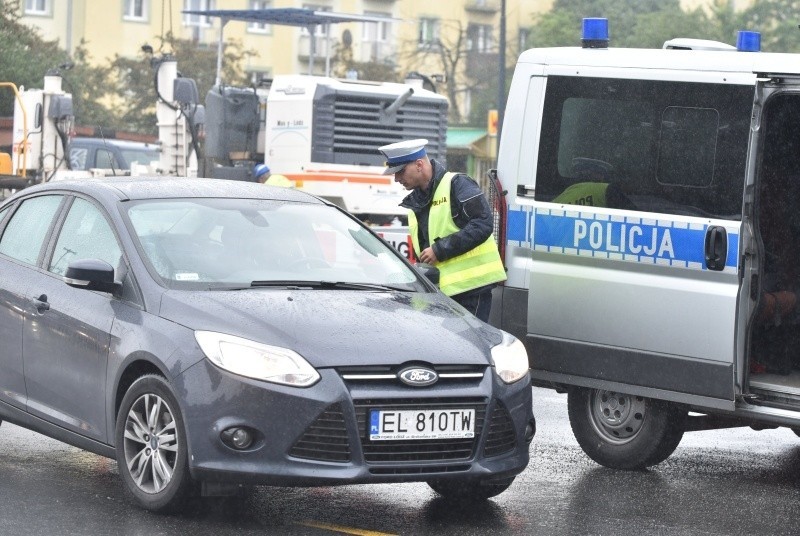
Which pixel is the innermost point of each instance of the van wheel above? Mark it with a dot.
(469, 491)
(621, 431)
(151, 446)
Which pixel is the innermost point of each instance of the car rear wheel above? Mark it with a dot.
(621, 431)
(151, 446)
(469, 491)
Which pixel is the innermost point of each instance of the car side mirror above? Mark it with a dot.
(91, 274)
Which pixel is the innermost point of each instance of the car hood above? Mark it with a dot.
(332, 328)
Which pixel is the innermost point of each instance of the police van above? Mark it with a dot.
(650, 228)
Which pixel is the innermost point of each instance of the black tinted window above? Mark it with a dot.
(666, 147)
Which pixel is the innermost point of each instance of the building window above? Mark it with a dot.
(524, 37)
(479, 38)
(135, 10)
(197, 5)
(321, 30)
(428, 32)
(260, 27)
(37, 7)
(259, 77)
(375, 32)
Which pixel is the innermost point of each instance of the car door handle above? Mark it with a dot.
(41, 303)
(716, 248)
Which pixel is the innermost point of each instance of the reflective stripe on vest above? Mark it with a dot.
(478, 267)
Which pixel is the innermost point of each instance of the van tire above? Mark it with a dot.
(621, 431)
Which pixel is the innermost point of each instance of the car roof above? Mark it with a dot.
(138, 188)
(663, 60)
(105, 142)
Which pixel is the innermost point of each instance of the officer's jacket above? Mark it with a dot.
(469, 208)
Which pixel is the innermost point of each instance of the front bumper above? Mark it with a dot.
(317, 435)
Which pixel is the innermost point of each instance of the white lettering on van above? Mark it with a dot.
(634, 247)
(626, 239)
(666, 245)
(580, 231)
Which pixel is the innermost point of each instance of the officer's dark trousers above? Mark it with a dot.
(477, 302)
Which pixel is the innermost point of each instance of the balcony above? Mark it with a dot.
(482, 6)
(320, 46)
(376, 52)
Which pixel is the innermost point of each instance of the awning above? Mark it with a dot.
(463, 138)
(288, 16)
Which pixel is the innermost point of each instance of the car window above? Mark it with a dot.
(219, 242)
(85, 234)
(140, 156)
(659, 146)
(25, 233)
(104, 159)
(78, 157)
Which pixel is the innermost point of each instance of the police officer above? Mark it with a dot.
(263, 175)
(595, 188)
(450, 223)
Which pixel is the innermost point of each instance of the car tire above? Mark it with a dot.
(473, 491)
(621, 431)
(151, 446)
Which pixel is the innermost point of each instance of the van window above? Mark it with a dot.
(665, 147)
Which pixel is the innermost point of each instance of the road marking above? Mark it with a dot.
(343, 530)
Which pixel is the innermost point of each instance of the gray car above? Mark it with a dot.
(211, 334)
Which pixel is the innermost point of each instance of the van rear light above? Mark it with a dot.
(497, 201)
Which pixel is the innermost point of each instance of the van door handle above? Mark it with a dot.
(716, 248)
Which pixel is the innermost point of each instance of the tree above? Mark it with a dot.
(447, 54)
(27, 56)
(777, 22)
(132, 87)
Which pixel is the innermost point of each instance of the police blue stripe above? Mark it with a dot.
(406, 158)
(631, 237)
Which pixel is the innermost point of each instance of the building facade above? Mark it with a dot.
(408, 40)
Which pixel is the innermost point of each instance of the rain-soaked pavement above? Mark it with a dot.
(717, 483)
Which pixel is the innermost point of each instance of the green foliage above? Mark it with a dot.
(26, 55)
(648, 23)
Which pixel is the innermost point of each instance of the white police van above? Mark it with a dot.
(651, 233)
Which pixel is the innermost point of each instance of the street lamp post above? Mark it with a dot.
(501, 79)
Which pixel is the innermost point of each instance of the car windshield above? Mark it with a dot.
(243, 243)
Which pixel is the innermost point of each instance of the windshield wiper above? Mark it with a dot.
(344, 285)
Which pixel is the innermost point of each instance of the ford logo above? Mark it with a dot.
(418, 376)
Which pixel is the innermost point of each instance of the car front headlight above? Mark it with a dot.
(510, 359)
(255, 360)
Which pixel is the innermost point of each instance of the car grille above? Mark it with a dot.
(502, 437)
(377, 452)
(388, 375)
(325, 439)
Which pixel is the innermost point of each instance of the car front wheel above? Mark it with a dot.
(469, 491)
(622, 431)
(151, 446)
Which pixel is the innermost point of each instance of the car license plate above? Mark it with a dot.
(421, 424)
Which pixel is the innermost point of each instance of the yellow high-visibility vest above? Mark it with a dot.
(477, 267)
(277, 179)
(584, 193)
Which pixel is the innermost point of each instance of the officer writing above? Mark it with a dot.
(450, 224)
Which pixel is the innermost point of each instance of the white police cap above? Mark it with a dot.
(399, 154)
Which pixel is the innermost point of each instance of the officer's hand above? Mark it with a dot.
(428, 256)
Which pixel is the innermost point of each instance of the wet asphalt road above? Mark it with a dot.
(717, 483)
